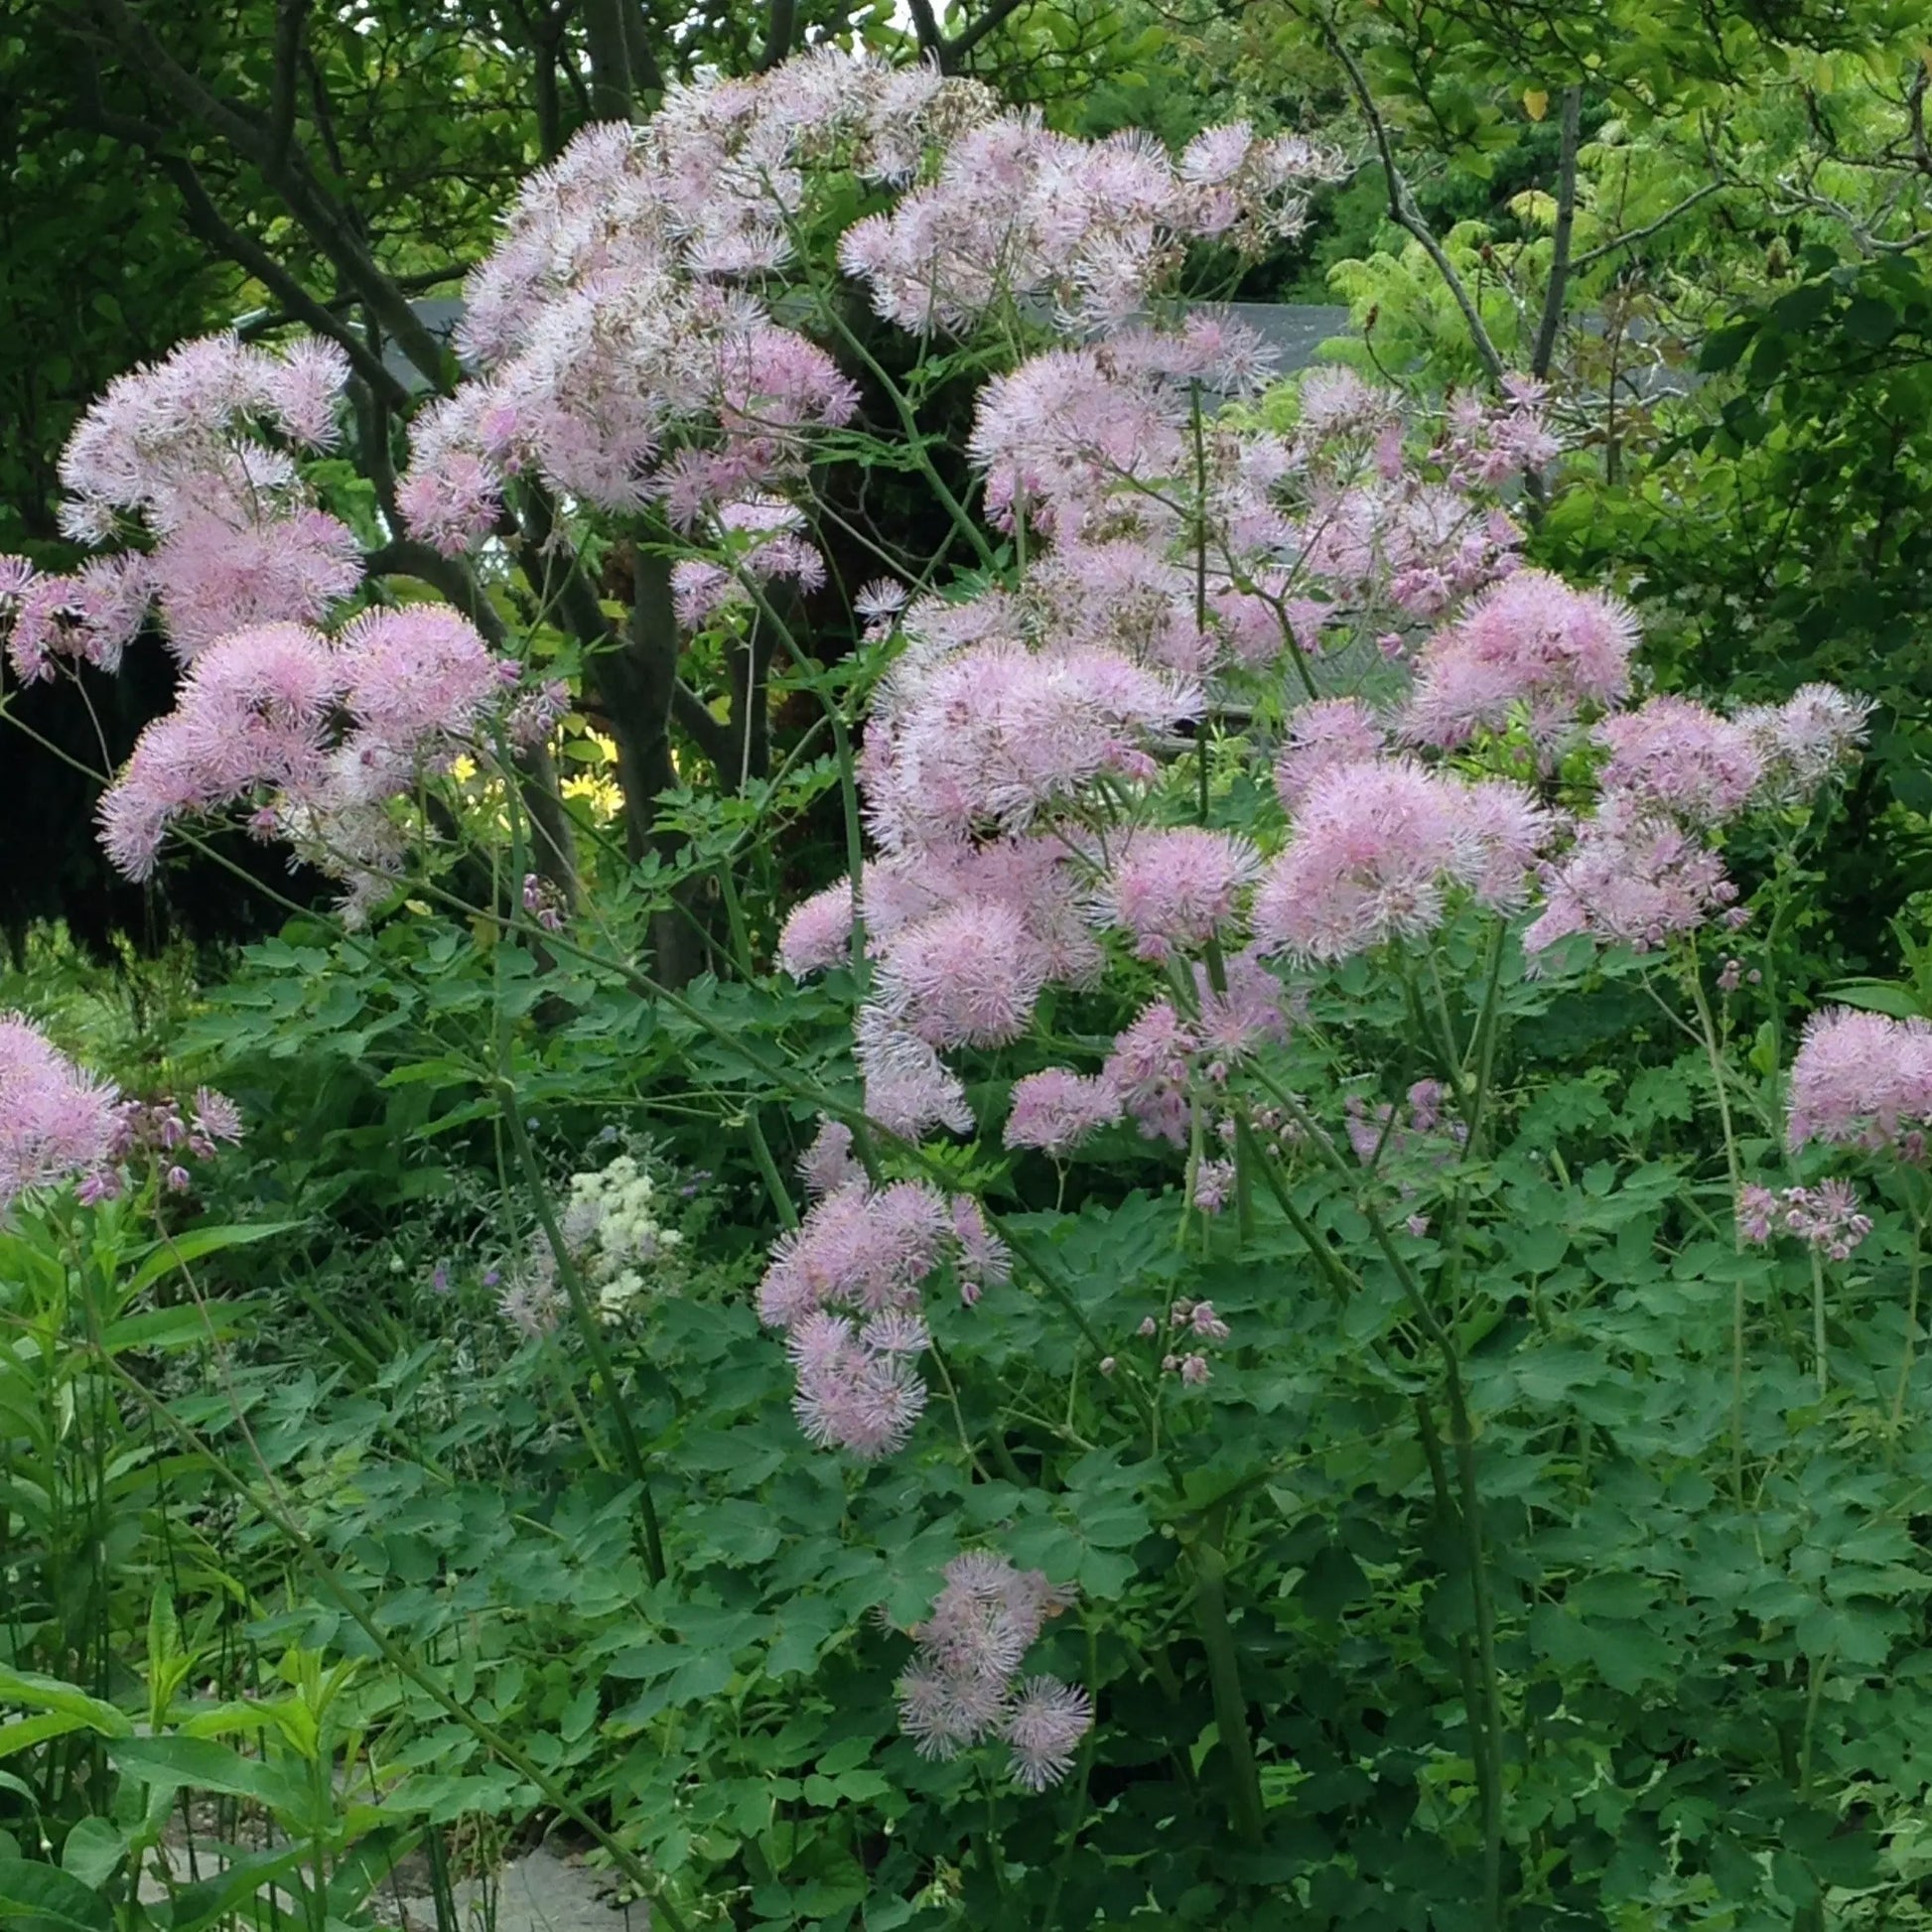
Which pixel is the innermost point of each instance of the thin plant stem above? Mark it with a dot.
(1911, 1327)
(588, 1328)
(1209, 1556)
(958, 1415)
(399, 1660)
(1714, 1053)
(1820, 1359)
(781, 1202)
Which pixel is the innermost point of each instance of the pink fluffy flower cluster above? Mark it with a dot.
(1018, 759)
(316, 734)
(845, 1288)
(1861, 1079)
(624, 353)
(1642, 866)
(964, 1685)
(629, 349)
(1202, 540)
(59, 1125)
(1015, 754)
(1826, 1217)
(190, 463)
(1018, 217)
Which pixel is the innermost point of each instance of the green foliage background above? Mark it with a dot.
(290, 1518)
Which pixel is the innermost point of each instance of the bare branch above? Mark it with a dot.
(242, 126)
(780, 24)
(970, 35)
(950, 52)
(646, 75)
(206, 220)
(290, 175)
(714, 739)
(609, 47)
(1591, 256)
(325, 114)
(291, 17)
(1403, 212)
(926, 29)
(450, 576)
(1553, 297)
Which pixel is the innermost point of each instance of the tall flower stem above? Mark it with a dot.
(1200, 575)
(1489, 1763)
(581, 1308)
(1484, 1607)
(1911, 1327)
(812, 675)
(1209, 1555)
(1820, 1358)
(589, 1328)
(909, 422)
(1714, 1053)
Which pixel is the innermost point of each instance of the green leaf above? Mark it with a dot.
(201, 1764)
(213, 1900)
(1871, 322)
(48, 1900)
(1797, 311)
(39, 1693)
(165, 1330)
(1723, 346)
(1878, 996)
(93, 1850)
(24, 1732)
(194, 1245)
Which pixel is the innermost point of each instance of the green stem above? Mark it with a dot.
(1225, 1679)
(1484, 1049)
(1483, 1604)
(1911, 1331)
(813, 677)
(1449, 1520)
(398, 1659)
(775, 1186)
(916, 441)
(1817, 1345)
(589, 1329)
(1715, 1055)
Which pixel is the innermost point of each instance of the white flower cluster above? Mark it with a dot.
(613, 1233)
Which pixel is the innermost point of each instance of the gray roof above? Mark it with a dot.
(1294, 330)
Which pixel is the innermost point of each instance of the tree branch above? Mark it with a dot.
(968, 37)
(780, 23)
(1591, 256)
(1553, 297)
(291, 177)
(646, 76)
(715, 739)
(1403, 212)
(206, 220)
(450, 576)
(608, 45)
(925, 30)
(950, 54)
(291, 17)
